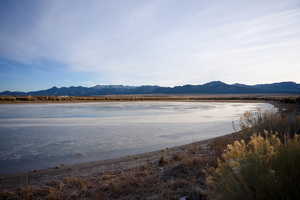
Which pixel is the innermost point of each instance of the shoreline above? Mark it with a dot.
(285, 98)
(94, 168)
(113, 101)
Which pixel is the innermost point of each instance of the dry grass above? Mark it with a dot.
(172, 176)
(285, 124)
(263, 168)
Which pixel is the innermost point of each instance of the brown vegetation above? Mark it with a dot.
(264, 168)
(240, 97)
(284, 124)
(181, 175)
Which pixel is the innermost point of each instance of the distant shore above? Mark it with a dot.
(284, 98)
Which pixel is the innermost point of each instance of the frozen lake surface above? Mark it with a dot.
(35, 136)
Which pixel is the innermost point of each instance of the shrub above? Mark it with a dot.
(286, 124)
(264, 168)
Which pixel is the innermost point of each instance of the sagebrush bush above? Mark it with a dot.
(264, 168)
(273, 122)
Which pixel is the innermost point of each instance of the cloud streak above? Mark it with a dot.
(158, 42)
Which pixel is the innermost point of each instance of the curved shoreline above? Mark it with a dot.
(94, 168)
(86, 169)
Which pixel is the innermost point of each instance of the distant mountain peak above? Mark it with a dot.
(241, 85)
(288, 83)
(215, 83)
(111, 86)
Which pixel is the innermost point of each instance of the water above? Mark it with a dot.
(36, 136)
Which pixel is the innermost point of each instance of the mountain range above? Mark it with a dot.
(214, 87)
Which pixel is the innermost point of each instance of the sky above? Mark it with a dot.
(147, 42)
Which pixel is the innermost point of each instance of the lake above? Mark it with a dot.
(36, 136)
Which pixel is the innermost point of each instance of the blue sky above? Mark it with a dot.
(138, 42)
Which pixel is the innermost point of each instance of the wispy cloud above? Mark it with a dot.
(159, 42)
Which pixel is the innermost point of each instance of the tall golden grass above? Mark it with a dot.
(264, 168)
